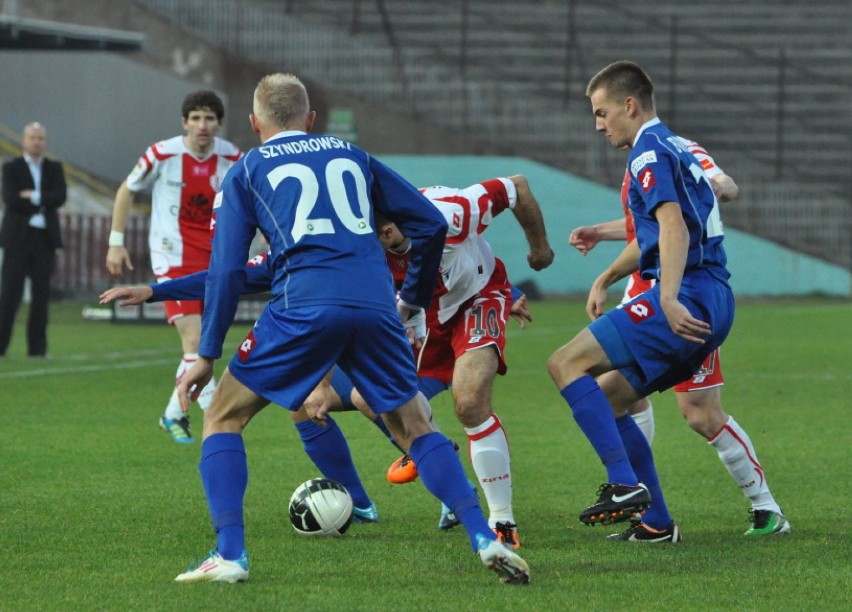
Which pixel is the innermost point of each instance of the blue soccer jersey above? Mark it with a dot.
(313, 198)
(663, 170)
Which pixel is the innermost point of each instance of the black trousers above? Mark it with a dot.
(36, 260)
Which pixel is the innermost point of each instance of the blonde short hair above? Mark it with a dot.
(281, 99)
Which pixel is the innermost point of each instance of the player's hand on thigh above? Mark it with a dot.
(319, 402)
(683, 323)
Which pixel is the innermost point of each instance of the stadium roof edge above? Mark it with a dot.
(37, 34)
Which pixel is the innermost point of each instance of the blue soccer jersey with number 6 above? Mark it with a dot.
(663, 170)
(313, 198)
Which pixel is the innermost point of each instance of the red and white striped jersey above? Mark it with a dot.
(636, 284)
(182, 191)
(467, 262)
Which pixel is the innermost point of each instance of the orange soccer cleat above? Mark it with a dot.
(507, 533)
(402, 470)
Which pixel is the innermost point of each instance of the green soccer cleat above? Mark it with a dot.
(214, 568)
(766, 522)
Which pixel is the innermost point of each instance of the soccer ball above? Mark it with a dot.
(321, 506)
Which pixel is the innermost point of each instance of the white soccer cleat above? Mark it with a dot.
(502, 559)
(216, 569)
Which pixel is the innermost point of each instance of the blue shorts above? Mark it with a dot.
(342, 385)
(286, 354)
(641, 345)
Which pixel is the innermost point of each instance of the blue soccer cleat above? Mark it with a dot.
(448, 519)
(370, 514)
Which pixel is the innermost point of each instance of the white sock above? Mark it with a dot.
(489, 454)
(738, 456)
(173, 410)
(645, 421)
(206, 395)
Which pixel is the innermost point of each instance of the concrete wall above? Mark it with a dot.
(101, 110)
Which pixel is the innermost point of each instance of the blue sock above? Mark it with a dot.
(328, 449)
(224, 474)
(593, 414)
(642, 459)
(380, 423)
(443, 476)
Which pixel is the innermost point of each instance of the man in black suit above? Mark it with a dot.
(33, 190)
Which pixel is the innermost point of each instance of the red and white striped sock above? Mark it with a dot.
(489, 455)
(737, 454)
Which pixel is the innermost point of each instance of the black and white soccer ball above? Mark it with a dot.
(321, 506)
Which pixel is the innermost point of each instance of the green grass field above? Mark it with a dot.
(99, 510)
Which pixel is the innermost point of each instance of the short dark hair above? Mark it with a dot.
(380, 219)
(199, 100)
(622, 79)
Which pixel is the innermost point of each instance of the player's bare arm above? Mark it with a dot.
(528, 214)
(674, 242)
(117, 255)
(129, 296)
(586, 237)
(724, 187)
(625, 264)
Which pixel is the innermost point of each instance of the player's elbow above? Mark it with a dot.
(522, 186)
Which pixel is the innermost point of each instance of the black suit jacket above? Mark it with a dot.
(16, 218)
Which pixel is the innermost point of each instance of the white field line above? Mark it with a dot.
(121, 365)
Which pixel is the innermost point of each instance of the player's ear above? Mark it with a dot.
(312, 116)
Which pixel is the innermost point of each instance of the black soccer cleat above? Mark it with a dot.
(640, 532)
(616, 503)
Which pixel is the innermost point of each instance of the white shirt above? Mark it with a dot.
(182, 190)
(37, 220)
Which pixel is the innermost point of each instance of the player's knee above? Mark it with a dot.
(639, 406)
(559, 367)
(219, 419)
(703, 419)
(472, 411)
